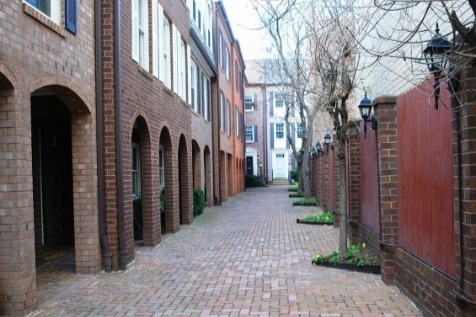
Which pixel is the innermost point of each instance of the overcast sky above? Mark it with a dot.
(244, 22)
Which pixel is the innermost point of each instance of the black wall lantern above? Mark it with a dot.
(436, 56)
(327, 140)
(365, 108)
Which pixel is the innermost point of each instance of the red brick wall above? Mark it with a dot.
(144, 96)
(37, 53)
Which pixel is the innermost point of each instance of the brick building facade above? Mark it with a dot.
(106, 116)
(229, 164)
(48, 194)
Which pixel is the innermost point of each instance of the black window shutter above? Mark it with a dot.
(271, 129)
(70, 15)
(288, 146)
(256, 133)
(271, 113)
(293, 132)
(255, 101)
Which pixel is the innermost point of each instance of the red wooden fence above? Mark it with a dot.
(370, 215)
(425, 177)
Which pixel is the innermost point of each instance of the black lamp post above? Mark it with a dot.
(365, 108)
(327, 140)
(318, 148)
(436, 59)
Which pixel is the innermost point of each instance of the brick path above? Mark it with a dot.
(247, 257)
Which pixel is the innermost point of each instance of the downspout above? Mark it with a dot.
(218, 199)
(213, 146)
(118, 132)
(106, 253)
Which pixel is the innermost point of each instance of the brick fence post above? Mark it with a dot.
(325, 181)
(354, 179)
(386, 112)
(464, 189)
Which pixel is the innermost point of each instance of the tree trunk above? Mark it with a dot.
(343, 199)
(306, 176)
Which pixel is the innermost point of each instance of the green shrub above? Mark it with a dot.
(305, 202)
(198, 202)
(295, 195)
(292, 189)
(253, 181)
(356, 254)
(293, 175)
(326, 218)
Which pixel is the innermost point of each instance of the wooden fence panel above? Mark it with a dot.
(425, 177)
(370, 216)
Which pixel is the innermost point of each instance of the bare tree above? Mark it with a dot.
(292, 70)
(317, 53)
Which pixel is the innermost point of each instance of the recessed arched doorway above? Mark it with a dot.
(185, 191)
(64, 169)
(144, 201)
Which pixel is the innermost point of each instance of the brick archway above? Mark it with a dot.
(207, 163)
(185, 186)
(145, 197)
(168, 219)
(196, 166)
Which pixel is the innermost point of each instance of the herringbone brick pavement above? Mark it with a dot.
(247, 257)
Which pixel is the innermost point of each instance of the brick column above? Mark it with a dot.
(17, 240)
(313, 176)
(386, 112)
(319, 179)
(464, 186)
(354, 203)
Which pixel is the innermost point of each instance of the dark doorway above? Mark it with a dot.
(249, 165)
(52, 178)
(136, 187)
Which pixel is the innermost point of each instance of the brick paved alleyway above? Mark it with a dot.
(247, 257)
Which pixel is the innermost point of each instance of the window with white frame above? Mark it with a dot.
(222, 111)
(236, 76)
(227, 63)
(136, 179)
(237, 122)
(278, 100)
(299, 130)
(182, 62)
(165, 53)
(249, 103)
(50, 8)
(140, 34)
(206, 98)
(220, 49)
(228, 117)
(250, 135)
(161, 168)
(279, 131)
(193, 85)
